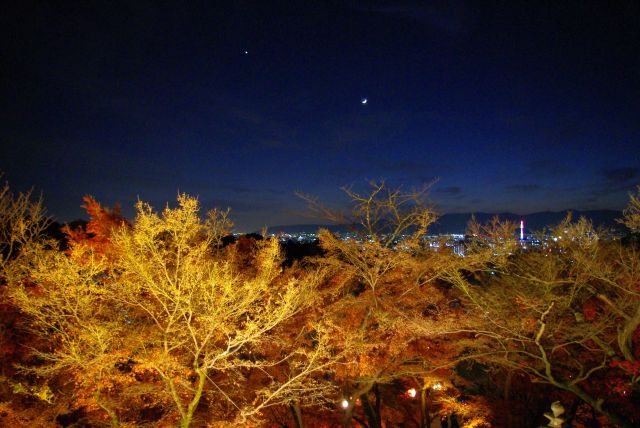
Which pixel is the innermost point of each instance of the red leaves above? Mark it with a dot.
(521, 302)
(619, 386)
(631, 368)
(97, 233)
(590, 309)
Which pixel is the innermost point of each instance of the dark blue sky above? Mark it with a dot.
(515, 106)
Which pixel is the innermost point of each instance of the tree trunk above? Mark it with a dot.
(348, 412)
(507, 397)
(114, 422)
(185, 422)
(625, 336)
(376, 391)
(372, 417)
(425, 417)
(348, 415)
(596, 404)
(113, 416)
(297, 414)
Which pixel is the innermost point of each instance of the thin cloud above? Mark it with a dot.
(547, 168)
(614, 185)
(357, 130)
(621, 175)
(450, 190)
(406, 166)
(523, 188)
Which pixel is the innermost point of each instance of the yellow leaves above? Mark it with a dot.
(202, 307)
(495, 239)
(42, 392)
(580, 233)
(268, 259)
(218, 225)
(22, 222)
(168, 306)
(631, 214)
(529, 325)
(476, 422)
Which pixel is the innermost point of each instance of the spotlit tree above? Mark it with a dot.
(383, 285)
(631, 217)
(23, 219)
(566, 314)
(23, 222)
(384, 220)
(174, 312)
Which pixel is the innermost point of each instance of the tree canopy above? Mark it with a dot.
(161, 320)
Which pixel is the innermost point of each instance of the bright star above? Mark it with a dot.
(363, 101)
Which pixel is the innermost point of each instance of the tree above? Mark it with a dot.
(174, 312)
(22, 221)
(103, 222)
(384, 218)
(631, 214)
(567, 315)
(67, 307)
(386, 307)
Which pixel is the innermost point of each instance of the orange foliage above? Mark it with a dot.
(97, 233)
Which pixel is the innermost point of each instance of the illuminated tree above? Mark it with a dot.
(386, 307)
(389, 223)
(567, 315)
(631, 217)
(79, 327)
(103, 222)
(23, 219)
(173, 311)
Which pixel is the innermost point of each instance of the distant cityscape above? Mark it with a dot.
(450, 229)
(457, 242)
(456, 223)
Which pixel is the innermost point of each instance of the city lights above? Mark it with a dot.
(411, 392)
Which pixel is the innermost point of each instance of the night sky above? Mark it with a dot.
(517, 107)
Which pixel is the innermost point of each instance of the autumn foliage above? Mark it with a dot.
(162, 321)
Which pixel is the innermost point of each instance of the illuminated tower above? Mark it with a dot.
(522, 230)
